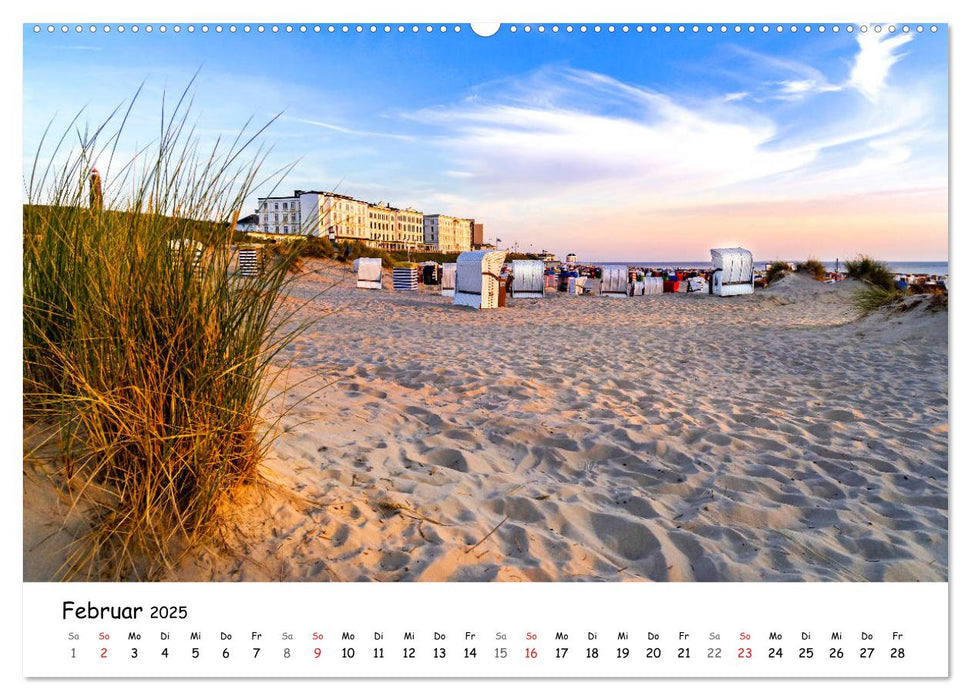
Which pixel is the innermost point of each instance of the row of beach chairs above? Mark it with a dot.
(474, 279)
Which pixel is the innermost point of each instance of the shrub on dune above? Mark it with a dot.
(879, 291)
(776, 271)
(866, 269)
(813, 267)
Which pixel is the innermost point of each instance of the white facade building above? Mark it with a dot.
(314, 213)
(410, 228)
(339, 217)
(381, 226)
(279, 214)
(447, 234)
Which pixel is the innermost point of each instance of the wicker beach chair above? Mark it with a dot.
(732, 272)
(575, 285)
(405, 278)
(697, 284)
(528, 279)
(183, 250)
(250, 262)
(477, 279)
(369, 273)
(614, 282)
(448, 279)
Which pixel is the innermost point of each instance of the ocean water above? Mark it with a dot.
(918, 267)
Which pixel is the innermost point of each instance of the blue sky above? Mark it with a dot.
(639, 146)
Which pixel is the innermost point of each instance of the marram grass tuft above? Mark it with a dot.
(143, 350)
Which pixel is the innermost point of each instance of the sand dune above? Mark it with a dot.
(662, 438)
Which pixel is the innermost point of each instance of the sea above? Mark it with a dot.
(903, 267)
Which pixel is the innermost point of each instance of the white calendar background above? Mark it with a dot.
(486, 630)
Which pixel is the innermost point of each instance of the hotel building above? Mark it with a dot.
(314, 213)
(381, 226)
(410, 228)
(343, 218)
(447, 234)
(279, 214)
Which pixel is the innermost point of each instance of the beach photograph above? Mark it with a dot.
(451, 303)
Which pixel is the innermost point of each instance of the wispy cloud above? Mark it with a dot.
(877, 55)
(349, 131)
(783, 78)
(790, 79)
(645, 144)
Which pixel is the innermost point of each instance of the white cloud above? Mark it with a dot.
(647, 147)
(800, 88)
(561, 148)
(878, 53)
(788, 79)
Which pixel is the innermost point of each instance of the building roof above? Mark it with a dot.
(297, 193)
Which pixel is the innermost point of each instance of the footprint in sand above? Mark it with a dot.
(448, 458)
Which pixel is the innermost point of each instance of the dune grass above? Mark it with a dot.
(867, 269)
(776, 271)
(151, 363)
(871, 298)
(814, 268)
(880, 291)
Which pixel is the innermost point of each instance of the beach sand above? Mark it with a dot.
(661, 438)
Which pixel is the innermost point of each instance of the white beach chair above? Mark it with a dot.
(574, 285)
(186, 250)
(477, 278)
(593, 286)
(732, 272)
(614, 282)
(448, 279)
(528, 279)
(369, 273)
(653, 285)
(696, 284)
(638, 288)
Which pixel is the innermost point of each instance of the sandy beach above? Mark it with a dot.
(660, 438)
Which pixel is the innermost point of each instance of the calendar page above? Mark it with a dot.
(517, 349)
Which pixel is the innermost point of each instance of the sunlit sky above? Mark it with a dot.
(636, 146)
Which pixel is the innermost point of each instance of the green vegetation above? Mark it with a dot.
(813, 267)
(148, 362)
(866, 269)
(871, 297)
(347, 251)
(880, 291)
(777, 270)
